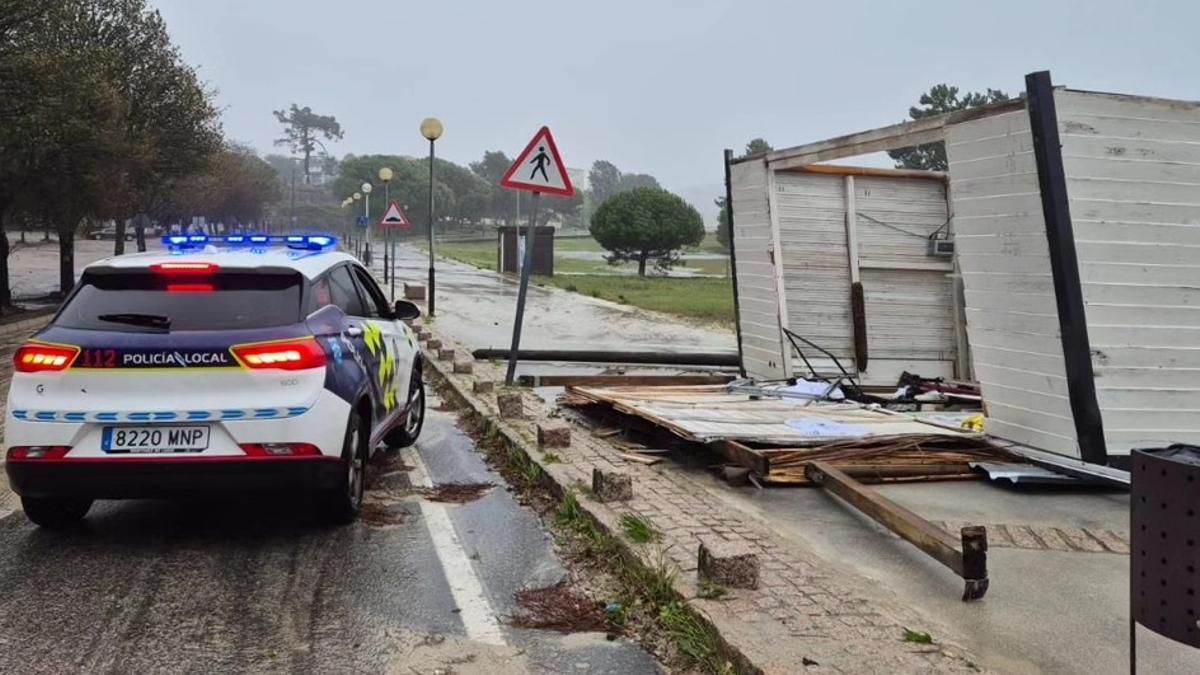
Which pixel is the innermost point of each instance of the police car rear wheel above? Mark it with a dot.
(407, 433)
(346, 500)
(54, 513)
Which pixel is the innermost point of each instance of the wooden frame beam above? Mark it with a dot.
(893, 137)
(969, 562)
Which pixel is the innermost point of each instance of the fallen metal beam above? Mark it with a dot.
(969, 562)
(713, 359)
(620, 380)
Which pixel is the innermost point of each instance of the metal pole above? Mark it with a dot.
(432, 286)
(367, 229)
(530, 233)
(387, 239)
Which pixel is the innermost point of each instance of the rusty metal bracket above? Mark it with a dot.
(968, 562)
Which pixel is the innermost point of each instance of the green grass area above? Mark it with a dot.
(478, 253)
(706, 300)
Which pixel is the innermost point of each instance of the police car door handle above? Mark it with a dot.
(354, 331)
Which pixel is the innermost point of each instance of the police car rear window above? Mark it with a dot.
(150, 302)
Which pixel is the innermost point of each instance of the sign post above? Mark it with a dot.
(392, 218)
(538, 169)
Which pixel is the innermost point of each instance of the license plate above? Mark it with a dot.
(154, 439)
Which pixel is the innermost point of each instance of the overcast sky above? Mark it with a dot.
(654, 86)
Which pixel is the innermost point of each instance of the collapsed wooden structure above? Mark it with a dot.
(1073, 281)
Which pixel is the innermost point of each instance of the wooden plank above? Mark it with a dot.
(621, 380)
(648, 461)
(844, 170)
(744, 455)
(851, 230)
(777, 257)
(937, 543)
(892, 137)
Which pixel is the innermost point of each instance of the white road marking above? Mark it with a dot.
(476, 611)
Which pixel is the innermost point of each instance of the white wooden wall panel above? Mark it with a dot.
(910, 313)
(762, 346)
(1003, 255)
(812, 231)
(1133, 181)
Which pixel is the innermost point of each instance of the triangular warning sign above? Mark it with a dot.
(395, 217)
(539, 168)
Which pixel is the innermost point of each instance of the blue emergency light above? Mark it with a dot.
(304, 242)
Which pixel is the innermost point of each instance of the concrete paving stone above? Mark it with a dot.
(611, 486)
(553, 435)
(463, 367)
(446, 354)
(483, 386)
(1022, 537)
(1115, 542)
(1079, 540)
(1051, 538)
(433, 344)
(510, 404)
(728, 563)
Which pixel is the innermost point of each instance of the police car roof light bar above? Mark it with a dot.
(306, 242)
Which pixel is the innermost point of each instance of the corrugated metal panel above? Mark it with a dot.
(812, 231)
(1133, 180)
(1003, 255)
(762, 346)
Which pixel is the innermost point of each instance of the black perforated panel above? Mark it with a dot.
(1165, 541)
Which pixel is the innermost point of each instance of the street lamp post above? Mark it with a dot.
(366, 190)
(431, 129)
(385, 175)
(357, 253)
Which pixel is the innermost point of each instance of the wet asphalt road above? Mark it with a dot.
(264, 586)
(478, 306)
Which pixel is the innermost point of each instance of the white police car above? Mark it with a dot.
(224, 364)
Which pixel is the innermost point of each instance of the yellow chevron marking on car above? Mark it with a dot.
(372, 336)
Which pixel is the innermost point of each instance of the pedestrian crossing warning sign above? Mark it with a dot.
(395, 217)
(539, 168)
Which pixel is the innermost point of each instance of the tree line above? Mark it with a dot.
(102, 120)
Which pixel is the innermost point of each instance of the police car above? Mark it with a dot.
(223, 364)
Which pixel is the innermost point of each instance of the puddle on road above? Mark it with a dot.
(437, 654)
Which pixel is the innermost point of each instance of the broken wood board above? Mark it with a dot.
(777, 439)
(706, 414)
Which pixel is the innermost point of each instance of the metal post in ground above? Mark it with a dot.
(526, 266)
(432, 286)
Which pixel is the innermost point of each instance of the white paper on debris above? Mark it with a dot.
(815, 389)
(825, 428)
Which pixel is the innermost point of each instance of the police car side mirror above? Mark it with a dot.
(405, 310)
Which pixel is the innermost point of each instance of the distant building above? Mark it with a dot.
(579, 178)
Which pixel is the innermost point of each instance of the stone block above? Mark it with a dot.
(423, 334)
(434, 344)
(728, 563)
(464, 367)
(414, 291)
(483, 386)
(510, 404)
(445, 355)
(553, 435)
(611, 486)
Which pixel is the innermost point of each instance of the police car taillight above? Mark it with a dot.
(33, 452)
(297, 354)
(34, 357)
(280, 450)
